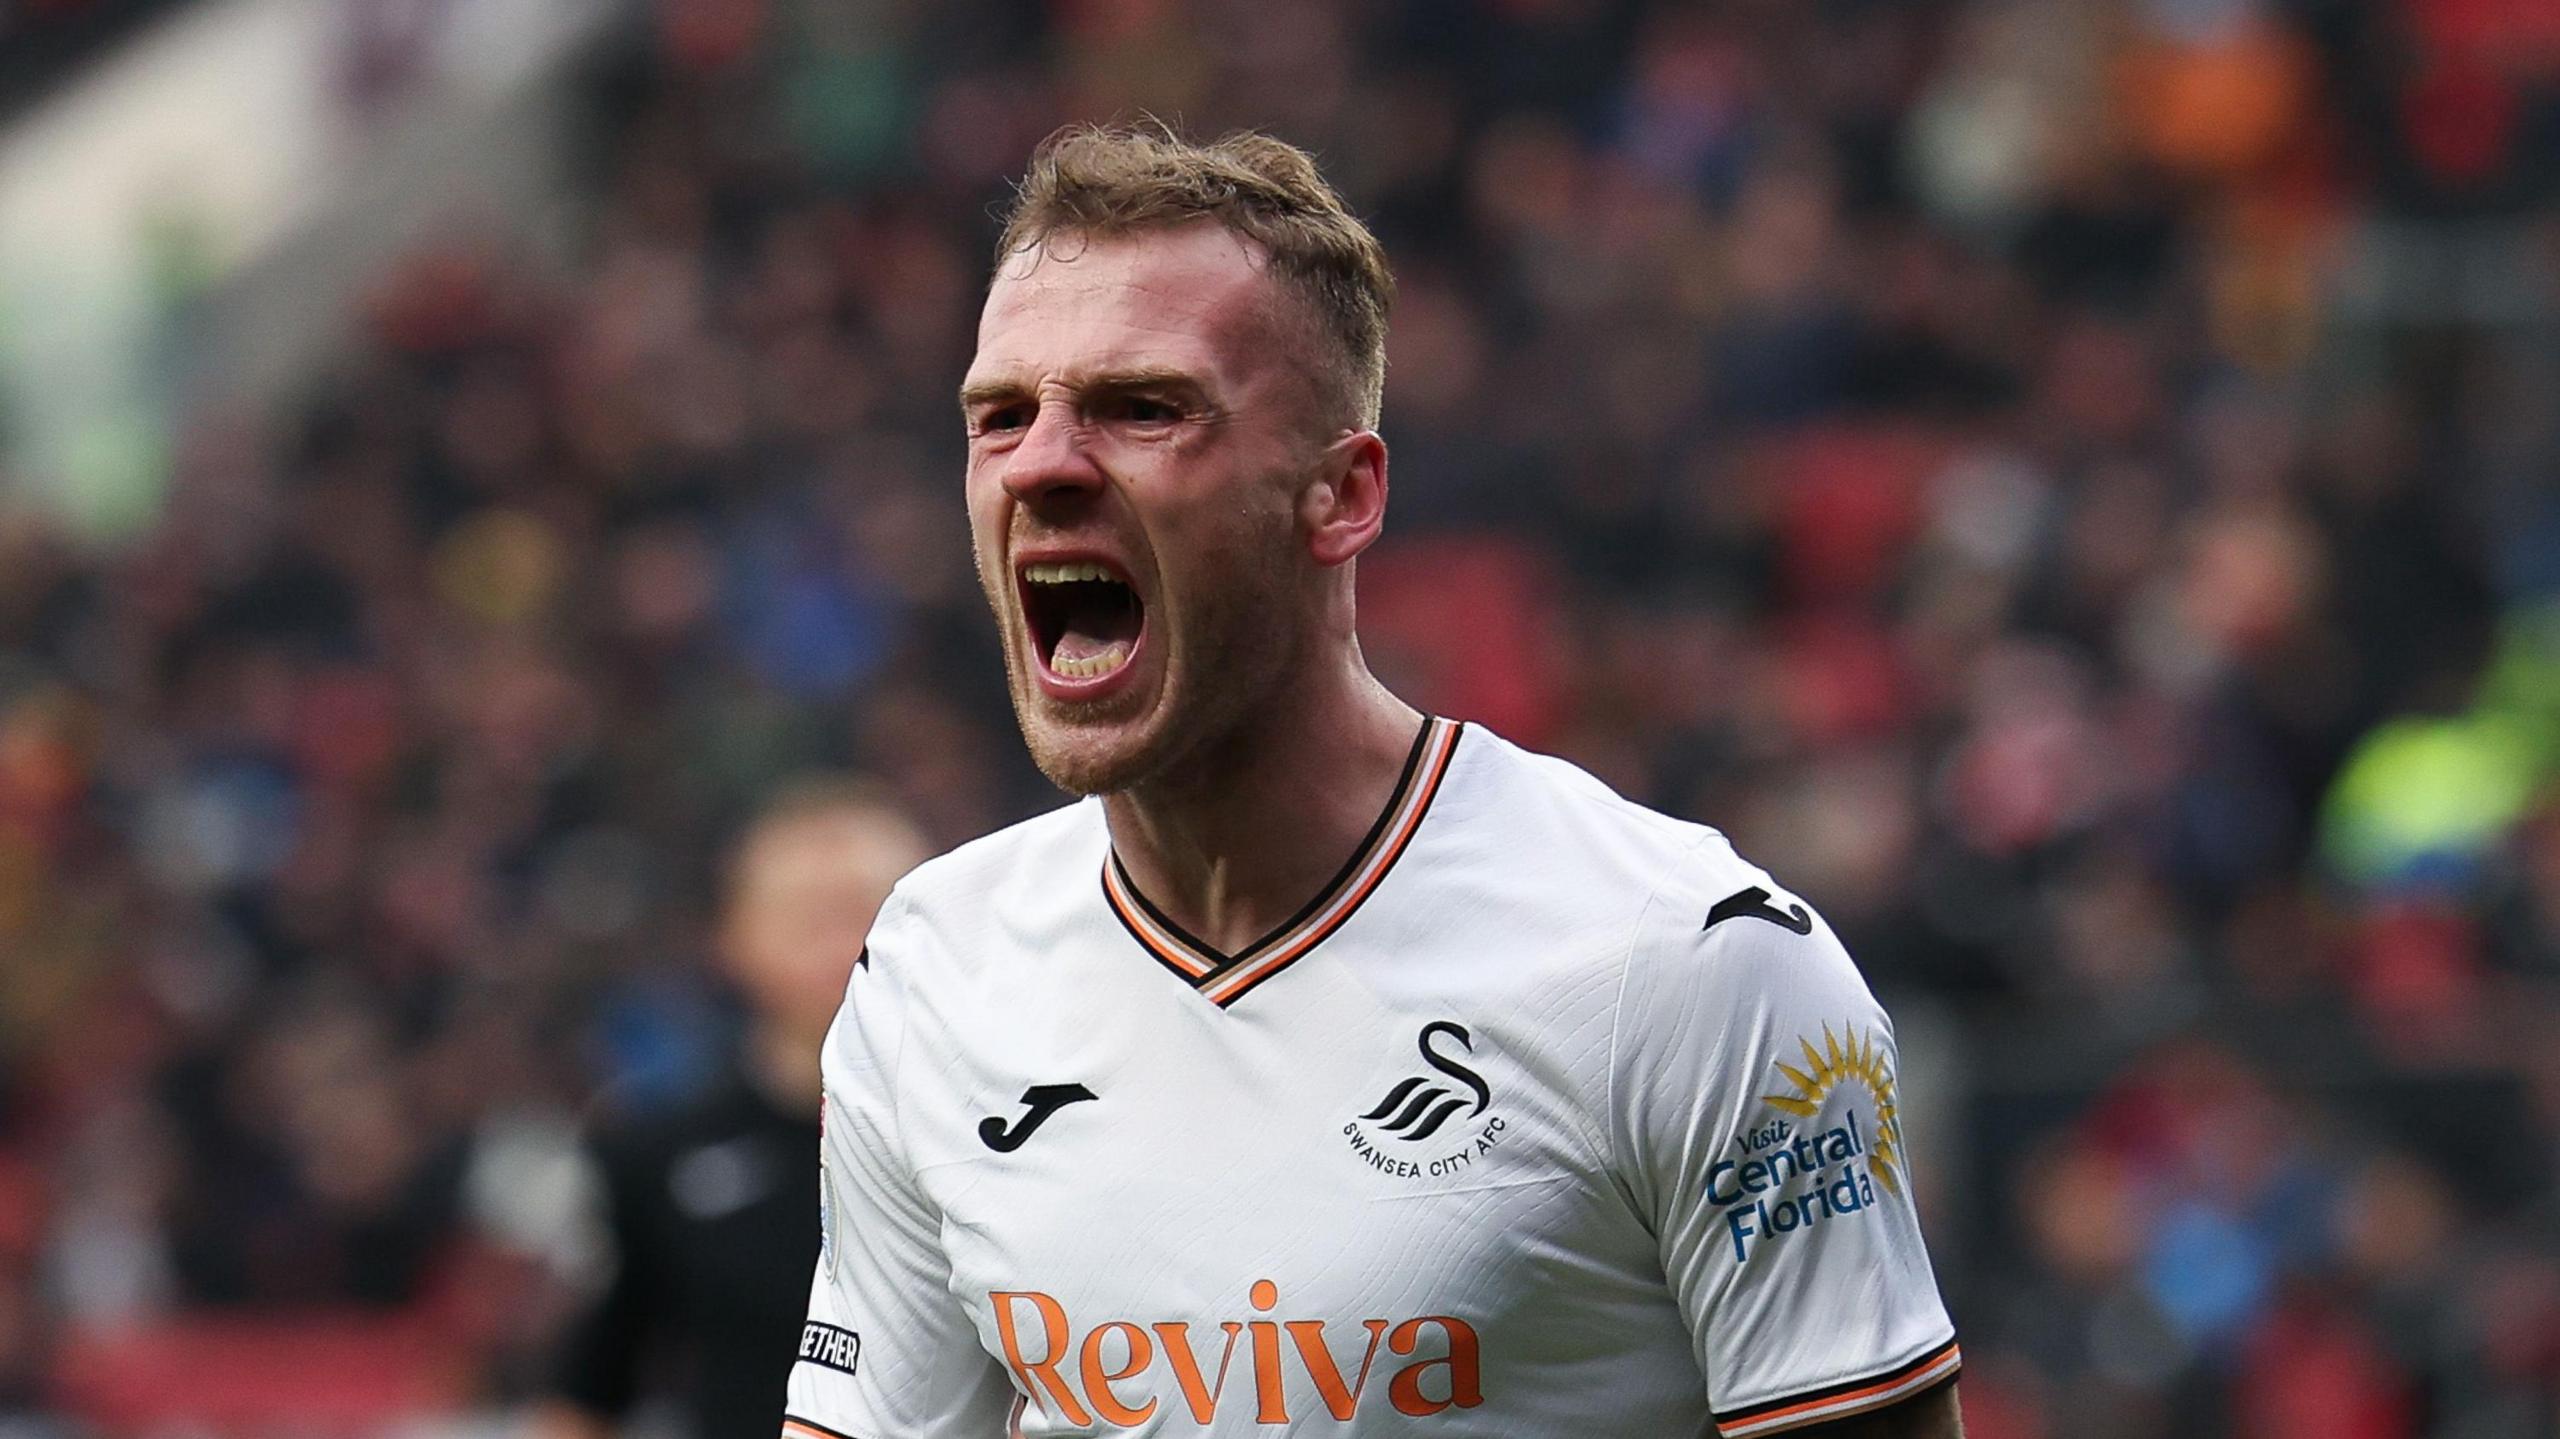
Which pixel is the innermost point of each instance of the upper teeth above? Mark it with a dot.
(1068, 573)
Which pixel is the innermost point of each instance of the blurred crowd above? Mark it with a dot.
(43, 42)
(2071, 485)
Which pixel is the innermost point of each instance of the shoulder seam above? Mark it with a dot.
(1618, 1005)
(898, 1058)
(953, 866)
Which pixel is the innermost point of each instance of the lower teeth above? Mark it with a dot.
(1091, 666)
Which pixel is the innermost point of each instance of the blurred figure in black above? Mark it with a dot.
(712, 1209)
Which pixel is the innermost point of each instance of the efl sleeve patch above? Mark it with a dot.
(837, 1349)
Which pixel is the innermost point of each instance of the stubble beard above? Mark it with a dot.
(1219, 670)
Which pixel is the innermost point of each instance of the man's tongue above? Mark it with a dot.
(1099, 630)
(1077, 646)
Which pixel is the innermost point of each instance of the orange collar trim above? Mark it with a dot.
(1225, 978)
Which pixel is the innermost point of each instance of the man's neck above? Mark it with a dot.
(1249, 833)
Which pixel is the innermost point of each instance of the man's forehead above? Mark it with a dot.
(1124, 298)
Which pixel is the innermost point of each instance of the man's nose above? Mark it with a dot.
(1055, 458)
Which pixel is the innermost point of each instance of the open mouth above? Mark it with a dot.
(1085, 618)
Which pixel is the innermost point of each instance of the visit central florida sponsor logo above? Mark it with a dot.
(1812, 1161)
(1434, 1124)
(1126, 1370)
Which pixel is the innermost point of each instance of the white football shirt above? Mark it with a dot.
(1549, 1116)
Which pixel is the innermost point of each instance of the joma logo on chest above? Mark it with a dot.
(1119, 1369)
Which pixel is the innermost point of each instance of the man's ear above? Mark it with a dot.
(1344, 507)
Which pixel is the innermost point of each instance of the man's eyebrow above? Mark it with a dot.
(988, 392)
(1098, 382)
(1147, 377)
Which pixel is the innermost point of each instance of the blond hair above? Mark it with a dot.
(1100, 181)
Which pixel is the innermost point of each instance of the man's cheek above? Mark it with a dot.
(990, 568)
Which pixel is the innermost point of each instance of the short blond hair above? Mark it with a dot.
(1100, 181)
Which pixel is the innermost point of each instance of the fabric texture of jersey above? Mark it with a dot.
(1549, 1116)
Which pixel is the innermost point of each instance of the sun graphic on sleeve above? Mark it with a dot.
(1861, 1059)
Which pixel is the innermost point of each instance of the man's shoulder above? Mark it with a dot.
(1664, 891)
(1555, 817)
(1034, 862)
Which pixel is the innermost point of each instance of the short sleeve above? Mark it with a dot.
(1755, 1120)
(887, 1351)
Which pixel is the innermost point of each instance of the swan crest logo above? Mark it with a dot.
(1427, 1125)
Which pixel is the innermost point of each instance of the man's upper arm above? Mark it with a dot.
(887, 1351)
(1756, 1125)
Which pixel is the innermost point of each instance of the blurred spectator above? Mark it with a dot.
(710, 1213)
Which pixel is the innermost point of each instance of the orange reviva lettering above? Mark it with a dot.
(1048, 1372)
(1273, 1405)
(1186, 1367)
(1053, 1325)
(1098, 1381)
(1466, 1377)
(1340, 1401)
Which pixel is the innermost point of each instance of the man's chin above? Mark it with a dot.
(1093, 756)
(1085, 769)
